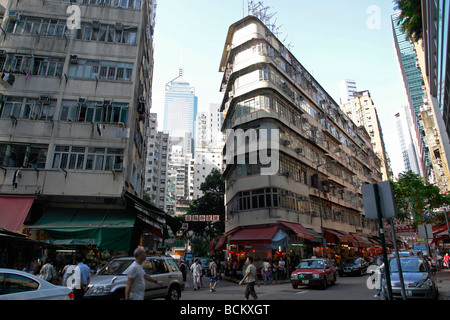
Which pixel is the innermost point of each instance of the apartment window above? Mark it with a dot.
(28, 108)
(106, 33)
(23, 155)
(33, 65)
(87, 158)
(126, 4)
(93, 111)
(101, 70)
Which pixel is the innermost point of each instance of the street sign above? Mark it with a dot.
(387, 204)
(425, 231)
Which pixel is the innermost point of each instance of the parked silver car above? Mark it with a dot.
(19, 285)
(418, 278)
(110, 281)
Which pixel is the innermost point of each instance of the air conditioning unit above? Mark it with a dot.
(299, 150)
(73, 59)
(14, 16)
(285, 142)
(118, 26)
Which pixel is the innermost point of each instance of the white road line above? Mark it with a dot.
(301, 292)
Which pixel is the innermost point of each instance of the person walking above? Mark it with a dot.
(68, 270)
(274, 269)
(380, 272)
(182, 266)
(196, 270)
(47, 271)
(213, 275)
(447, 261)
(251, 279)
(81, 278)
(135, 289)
(267, 272)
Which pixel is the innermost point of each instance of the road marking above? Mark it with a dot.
(301, 292)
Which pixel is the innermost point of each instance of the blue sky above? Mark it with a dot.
(332, 39)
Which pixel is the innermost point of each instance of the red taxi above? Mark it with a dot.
(314, 272)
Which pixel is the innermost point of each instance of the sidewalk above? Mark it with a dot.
(443, 283)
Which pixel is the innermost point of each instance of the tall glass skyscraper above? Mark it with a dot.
(414, 85)
(180, 108)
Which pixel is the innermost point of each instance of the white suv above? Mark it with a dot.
(111, 280)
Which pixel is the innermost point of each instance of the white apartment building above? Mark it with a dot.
(361, 110)
(209, 145)
(157, 164)
(73, 124)
(180, 179)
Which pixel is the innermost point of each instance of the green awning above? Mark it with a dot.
(108, 229)
(317, 236)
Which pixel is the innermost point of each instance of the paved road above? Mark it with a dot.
(346, 288)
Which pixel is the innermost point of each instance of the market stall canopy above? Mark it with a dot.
(14, 211)
(362, 241)
(108, 229)
(262, 235)
(155, 212)
(298, 229)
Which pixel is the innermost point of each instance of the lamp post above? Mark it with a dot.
(323, 243)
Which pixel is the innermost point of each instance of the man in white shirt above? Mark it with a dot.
(196, 269)
(135, 289)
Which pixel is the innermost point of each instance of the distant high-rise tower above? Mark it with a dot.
(405, 129)
(413, 80)
(347, 88)
(180, 108)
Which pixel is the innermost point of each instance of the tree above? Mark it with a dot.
(410, 18)
(415, 199)
(211, 203)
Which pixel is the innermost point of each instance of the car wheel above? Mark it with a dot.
(173, 294)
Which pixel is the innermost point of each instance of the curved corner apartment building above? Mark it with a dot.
(266, 87)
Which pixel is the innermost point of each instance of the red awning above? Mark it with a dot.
(13, 211)
(254, 235)
(362, 241)
(299, 230)
(341, 237)
(155, 230)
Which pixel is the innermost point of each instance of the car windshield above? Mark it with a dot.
(408, 265)
(115, 267)
(351, 261)
(310, 264)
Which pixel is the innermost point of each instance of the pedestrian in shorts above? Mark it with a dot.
(214, 276)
